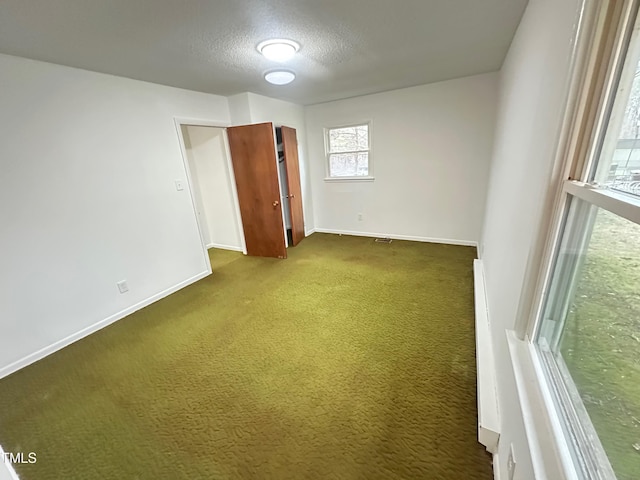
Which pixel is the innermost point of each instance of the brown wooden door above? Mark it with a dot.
(292, 165)
(253, 155)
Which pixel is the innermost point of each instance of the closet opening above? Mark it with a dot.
(211, 185)
(284, 187)
(267, 175)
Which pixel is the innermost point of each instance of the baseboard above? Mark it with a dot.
(224, 247)
(488, 412)
(7, 471)
(54, 347)
(496, 467)
(309, 232)
(466, 243)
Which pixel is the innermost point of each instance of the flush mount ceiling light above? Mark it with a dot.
(278, 50)
(280, 77)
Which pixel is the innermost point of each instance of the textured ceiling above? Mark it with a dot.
(349, 47)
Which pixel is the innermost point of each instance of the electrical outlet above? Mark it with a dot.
(511, 464)
(122, 286)
(360, 216)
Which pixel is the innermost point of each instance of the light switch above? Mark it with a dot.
(179, 185)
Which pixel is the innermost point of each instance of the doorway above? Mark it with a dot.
(211, 184)
(290, 188)
(265, 162)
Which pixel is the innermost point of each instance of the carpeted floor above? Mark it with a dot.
(349, 360)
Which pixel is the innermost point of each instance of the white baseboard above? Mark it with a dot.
(7, 471)
(309, 232)
(496, 466)
(60, 344)
(224, 247)
(466, 243)
(488, 412)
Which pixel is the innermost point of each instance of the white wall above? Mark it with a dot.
(252, 108)
(239, 109)
(431, 148)
(211, 179)
(533, 91)
(89, 163)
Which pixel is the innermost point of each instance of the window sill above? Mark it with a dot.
(349, 179)
(550, 454)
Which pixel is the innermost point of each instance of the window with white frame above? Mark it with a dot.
(588, 330)
(348, 151)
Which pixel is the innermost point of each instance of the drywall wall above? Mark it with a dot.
(431, 148)
(239, 109)
(533, 91)
(6, 469)
(89, 163)
(248, 108)
(5, 473)
(211, 180)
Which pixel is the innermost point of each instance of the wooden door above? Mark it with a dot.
(253, 154)
(290, 149)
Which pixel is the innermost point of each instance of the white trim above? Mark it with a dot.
(7, 467)
(466, 243)
(496, 467)
(327, 153)
(623, 205)
(487, 386)
(187, 169)
(196, 122)
(350, 179)
(234, 193)
(309, 232)
(224, 247)
(539, 261)
(200, 122)
(60, 344)
(550, 455)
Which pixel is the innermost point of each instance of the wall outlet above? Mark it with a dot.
(122, 286)
(511, 464)
(360, 217)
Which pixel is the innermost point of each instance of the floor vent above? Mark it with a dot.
(383, 240)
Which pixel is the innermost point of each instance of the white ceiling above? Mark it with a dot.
(349, 47)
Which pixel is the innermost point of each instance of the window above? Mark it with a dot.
(348, 152)
(588, 331)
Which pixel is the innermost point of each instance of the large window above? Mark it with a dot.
(588, 334)
(348, 152)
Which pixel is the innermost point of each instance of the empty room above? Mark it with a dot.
(274, 239)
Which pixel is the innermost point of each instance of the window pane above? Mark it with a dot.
(363, 164)
(619, 164)
(592, 326)
(362, 137)
(349, 164)
(349, 139)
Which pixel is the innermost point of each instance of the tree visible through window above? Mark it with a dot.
(348, 151)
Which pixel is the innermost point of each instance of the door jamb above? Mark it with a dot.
(198, 122)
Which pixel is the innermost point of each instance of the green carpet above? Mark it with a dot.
(349, 360)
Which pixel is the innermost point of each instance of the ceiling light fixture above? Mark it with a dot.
(280, 77)
(278, 50)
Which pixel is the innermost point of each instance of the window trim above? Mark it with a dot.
(584, 124)
(363, 178)
(604, 32)
(583, 121)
